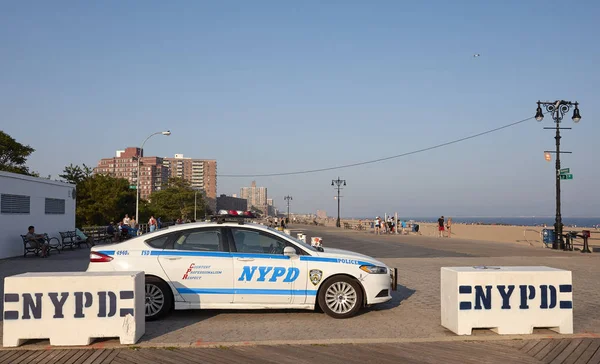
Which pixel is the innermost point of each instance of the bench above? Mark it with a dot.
(98, 235)
(70, 239)
(29, 249)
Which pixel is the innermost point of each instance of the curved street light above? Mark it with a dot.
(557, 109)
(137, 185)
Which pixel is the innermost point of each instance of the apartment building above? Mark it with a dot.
(153, 174)
(256, 196)
(201, 173)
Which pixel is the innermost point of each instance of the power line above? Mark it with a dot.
(380, 159)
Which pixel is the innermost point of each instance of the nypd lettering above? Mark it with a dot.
(269, 274)
(32, 303)
(522, 297)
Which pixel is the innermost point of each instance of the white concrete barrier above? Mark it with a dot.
(508, 300)
(73, 308)
(316, 241)
(302, 237)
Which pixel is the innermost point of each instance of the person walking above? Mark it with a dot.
(152, 224)
(449, 227)
(377, 225)
(441, 227)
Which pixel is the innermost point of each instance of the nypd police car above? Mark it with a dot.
(230, 264)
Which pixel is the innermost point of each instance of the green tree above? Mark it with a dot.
(176, 201)
(76, 174)
(102, 199)
(13, 155)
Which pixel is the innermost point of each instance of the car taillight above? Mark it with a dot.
(96, 257)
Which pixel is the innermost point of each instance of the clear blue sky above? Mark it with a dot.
(276, 86)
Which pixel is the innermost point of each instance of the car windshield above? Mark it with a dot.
(297, 241)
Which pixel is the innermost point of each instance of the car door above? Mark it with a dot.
(199, 266)
(262, 274)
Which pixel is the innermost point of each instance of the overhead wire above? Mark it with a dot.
(380, 159)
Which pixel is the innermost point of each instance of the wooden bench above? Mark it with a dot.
(29, 249)
(98, 234)
(70, 239)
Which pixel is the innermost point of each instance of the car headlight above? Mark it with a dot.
(373, 269)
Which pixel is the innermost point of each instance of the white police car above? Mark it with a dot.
(232, 265)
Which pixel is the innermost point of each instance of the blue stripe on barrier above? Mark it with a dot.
(295, 292)
(464, 289)
(565, 288)
(566, 304)
(465, 305)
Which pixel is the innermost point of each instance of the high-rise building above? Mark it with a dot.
(153, 174)
(256, 196)
(201, 173)
(225, 202)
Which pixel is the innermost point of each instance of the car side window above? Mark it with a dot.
(200, 240)
(256, 242)
(160, 242)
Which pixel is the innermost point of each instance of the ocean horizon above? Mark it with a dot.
(501, 220)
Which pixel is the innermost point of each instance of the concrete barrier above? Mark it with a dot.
(73, 308)
(302, 237)
(508, 300)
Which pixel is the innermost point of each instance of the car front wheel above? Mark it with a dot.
(158, 299)
(340, 297)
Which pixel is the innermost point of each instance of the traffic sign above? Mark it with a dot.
(566, 176)
(133, 187)
(565, 171)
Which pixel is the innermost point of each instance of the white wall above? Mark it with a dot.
(13, 225)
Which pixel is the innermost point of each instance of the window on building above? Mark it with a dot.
(14, 204)
(55, 206)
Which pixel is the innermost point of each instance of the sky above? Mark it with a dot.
(280, 86)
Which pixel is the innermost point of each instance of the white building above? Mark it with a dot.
(24, 201)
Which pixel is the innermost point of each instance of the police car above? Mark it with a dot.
(231, 264)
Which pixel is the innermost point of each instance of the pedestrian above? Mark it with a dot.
(126, 220)
(282, 224)
(132, 222)
(441, 227)
(449, 227)
(377, 226)
(152, 224)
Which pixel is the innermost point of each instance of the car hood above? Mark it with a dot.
(340, 253)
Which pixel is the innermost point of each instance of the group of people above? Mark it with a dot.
(444, 226)
(388, 226)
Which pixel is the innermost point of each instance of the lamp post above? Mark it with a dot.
(338, 183)
(137, 184)
(557, 109)
(288, 199)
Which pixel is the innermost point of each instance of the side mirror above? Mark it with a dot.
(289, 251)
(320, 248)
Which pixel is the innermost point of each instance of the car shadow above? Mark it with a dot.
(400, 294)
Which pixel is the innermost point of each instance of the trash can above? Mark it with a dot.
(548, 236)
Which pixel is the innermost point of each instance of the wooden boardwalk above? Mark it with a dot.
(559, 351)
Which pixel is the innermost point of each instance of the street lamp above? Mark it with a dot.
(338, 182)
(137, 185)
(557, 109)
(288, 199)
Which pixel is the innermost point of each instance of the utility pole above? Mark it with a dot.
(338, 185)
(557, 109)
(288, 199)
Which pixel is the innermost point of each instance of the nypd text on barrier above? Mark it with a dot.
(106, 301)
(547, 296)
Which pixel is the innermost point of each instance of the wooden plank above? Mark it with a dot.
(62, 356)
(577, 352)
(102, 357)
(13, 355)
(86, 354)
(540, 346)
(529, 345)
(589, 352)
(110, 356)
(556, 351)
(95, 353)
(573, 344)
(38, 357)
(541, 354)
(206, 354)
(78, 354)
(595, 358)
(24, 357)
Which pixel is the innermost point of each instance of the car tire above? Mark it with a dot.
(340, 297)
(158, 299)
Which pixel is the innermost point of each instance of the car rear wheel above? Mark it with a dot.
(159, 299)
(340, 297)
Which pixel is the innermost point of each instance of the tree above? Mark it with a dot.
(176, 201)
(13, 155)
(102, 199)
(76, 174)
